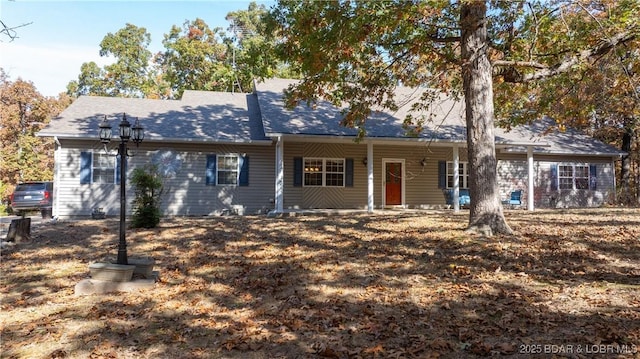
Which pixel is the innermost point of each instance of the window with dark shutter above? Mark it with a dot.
(348, 181)
(85, 167)
(297, 171)
(243, 179)
(211, 170)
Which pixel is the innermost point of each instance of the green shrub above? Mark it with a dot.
(147, 183)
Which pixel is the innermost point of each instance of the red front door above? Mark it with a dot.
(393, 183)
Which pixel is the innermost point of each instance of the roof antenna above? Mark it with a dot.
(236, 82)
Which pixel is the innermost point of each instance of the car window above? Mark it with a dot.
(30, 187)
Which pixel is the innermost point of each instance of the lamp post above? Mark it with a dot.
(137, 135)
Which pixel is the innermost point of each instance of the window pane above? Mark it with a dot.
(103, 168)
(582, 171)
(565, 177)
(335, 179)
(565, 171)
(227, 177)
(227, 170)
(582, 177)
(103, 175)
(313, 165)
(334, 173)
(463, 174)
(449, 168)
(228, 163)
(313, 179)
(566, 183)
(335, 166)
(582, 183)
(313, 172)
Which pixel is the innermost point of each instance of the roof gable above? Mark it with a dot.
(199, 116)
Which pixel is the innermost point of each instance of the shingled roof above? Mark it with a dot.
(200, 116)
(446, 124)
(223, 117)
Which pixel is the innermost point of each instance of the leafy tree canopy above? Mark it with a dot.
(358, 52)
(23, 112)
(195, 57)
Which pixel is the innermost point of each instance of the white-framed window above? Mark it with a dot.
(573, 176)
(103, 168)
(227, 170)
(463, 174)
(324, 172)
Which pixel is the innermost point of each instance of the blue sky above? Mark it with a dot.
(64, 34)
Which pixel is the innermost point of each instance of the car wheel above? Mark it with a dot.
(46, 213)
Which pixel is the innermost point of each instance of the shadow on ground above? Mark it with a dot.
(408, 285)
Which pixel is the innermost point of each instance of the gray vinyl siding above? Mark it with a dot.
(184, 194)
(188, 194)
(513, 175)
(421, 183)
(545, 197)
(73, 199)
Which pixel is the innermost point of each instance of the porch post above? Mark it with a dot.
(279, 201)
(530, 175)
(456, 179)
(370, 177)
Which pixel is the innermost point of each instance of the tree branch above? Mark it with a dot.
(446, 39)
(506, 63)
(11, 32)
(507, 69)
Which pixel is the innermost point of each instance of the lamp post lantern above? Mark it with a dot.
(125, 133)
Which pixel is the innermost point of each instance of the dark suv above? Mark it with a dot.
(30, 196)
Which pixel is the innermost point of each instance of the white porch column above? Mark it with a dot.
(279, 201)
(370, 203)
(530, 176)
(456, 179)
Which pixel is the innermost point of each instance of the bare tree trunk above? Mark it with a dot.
(486, 215)
(626, 197)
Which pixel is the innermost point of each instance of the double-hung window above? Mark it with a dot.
(103, 168)
(573, 176)
(463, 174)
(324, 172)
(227, 170)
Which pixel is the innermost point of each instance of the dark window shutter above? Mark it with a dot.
(442, 174)
(118, 169)
(348, 168)
(554, 176)
(211, 170)
(244, 171)
(297, 171)
(85, 167)
(593, 177)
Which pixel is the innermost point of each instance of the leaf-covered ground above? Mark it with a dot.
(390, 285)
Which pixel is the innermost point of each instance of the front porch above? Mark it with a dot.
(388, 174)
